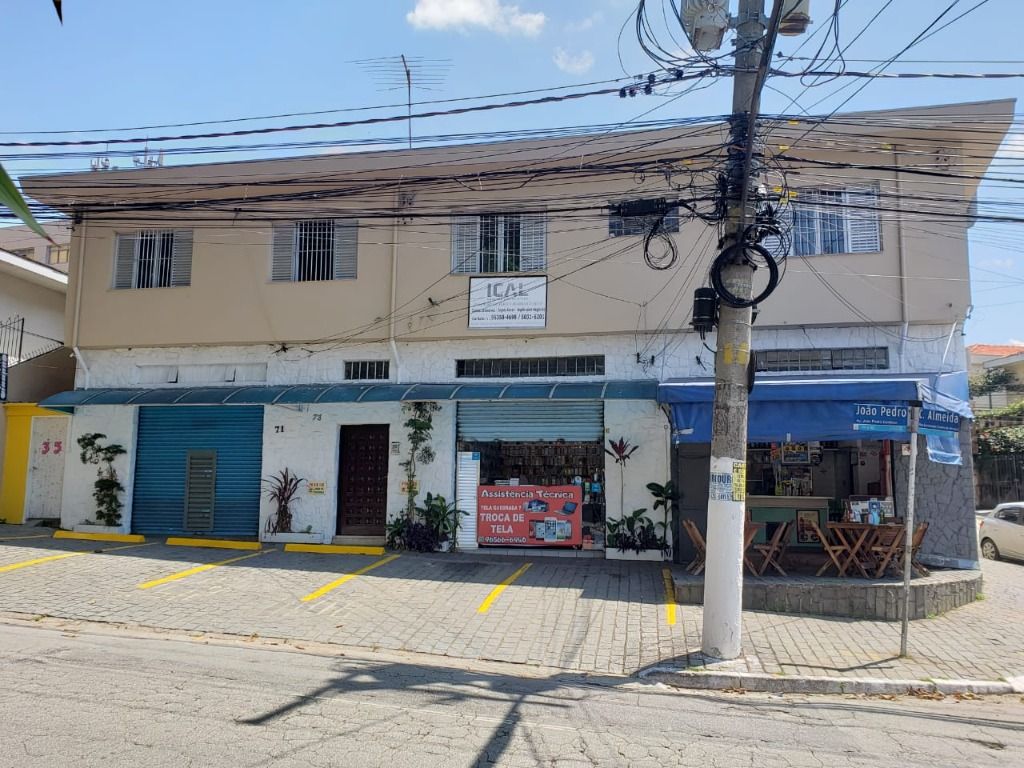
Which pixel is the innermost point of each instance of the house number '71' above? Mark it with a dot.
(279, 428)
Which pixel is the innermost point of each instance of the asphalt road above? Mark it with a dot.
(79, 698)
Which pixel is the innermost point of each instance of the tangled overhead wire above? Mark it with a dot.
(764, 245)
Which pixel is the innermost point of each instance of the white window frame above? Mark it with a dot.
(341, 249)
(855, 211)
(467, 243)
(58, 249)
(129, 249)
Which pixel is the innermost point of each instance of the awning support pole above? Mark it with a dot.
(908, 518)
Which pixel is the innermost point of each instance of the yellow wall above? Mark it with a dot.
(15, 459)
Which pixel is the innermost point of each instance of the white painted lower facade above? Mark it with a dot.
(305, 438)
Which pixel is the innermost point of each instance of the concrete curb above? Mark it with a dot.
(749, 681)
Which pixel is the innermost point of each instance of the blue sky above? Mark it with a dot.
(125, 63)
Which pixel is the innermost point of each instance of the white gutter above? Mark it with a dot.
(904, 317)
(79, 269)
(394, 292)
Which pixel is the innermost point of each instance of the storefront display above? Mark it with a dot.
(530, 515)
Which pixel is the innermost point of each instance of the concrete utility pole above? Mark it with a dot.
(723, 582)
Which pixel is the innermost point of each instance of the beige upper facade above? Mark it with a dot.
(22, 241)
(919, 168)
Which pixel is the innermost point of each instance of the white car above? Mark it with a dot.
(1001, 532)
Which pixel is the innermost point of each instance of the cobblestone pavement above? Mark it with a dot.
(584, 615)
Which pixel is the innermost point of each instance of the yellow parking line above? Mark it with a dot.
(39, 561)
(347, 577)
(51, 558)
(485, 606)
(197, 569)
(670, 597)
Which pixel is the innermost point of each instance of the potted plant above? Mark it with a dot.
(443, 518)
(107, 489)
(665, 497)
(634, 537)
(282, 490)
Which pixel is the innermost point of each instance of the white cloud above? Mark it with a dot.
(486, 14)
(574, 64)
(586, 23)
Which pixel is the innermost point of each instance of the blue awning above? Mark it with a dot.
(352, 393)
(802, 408)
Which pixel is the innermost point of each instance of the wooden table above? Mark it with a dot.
(856, 540)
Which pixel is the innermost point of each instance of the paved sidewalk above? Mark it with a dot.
(593, 616)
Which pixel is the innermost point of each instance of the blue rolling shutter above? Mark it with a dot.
(167, 435)
(532, 420)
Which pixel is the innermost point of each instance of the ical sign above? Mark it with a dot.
(529, 515)
(508, 302)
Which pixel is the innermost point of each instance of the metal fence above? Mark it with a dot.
(998, 478)
(12, 338)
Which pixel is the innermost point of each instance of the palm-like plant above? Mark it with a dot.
(282, 489)
(621, 450)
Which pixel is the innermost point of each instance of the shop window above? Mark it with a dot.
(526, 367)
(835, 359)
(367, 370)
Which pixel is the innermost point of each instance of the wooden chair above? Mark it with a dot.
(775, 549)
(750, 530)
(835, 551)
(696, 567)
(886, 548)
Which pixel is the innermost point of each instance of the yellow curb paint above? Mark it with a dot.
(334, 549)
(176, 541)
(347, 577)
(39, 561)
(670, 597)
(135, 538)
(485, 606)
(194, 571)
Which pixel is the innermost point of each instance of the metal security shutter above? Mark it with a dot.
(534, 420)
(167, 435)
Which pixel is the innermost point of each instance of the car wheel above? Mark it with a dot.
(989, 550)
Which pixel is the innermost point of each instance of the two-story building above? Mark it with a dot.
(231, 320)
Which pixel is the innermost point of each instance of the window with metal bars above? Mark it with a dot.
(153, 258)
(367, 370)
(836, 359)
(314, 250)
(494, 243)
(528, 367)
(829, 221)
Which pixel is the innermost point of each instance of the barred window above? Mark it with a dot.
(837, 359)
(367, 370)
(153, 258)
(529, 367)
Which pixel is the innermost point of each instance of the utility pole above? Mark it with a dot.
(723, 581)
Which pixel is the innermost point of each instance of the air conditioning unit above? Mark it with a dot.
(705, 22)
(796, 15)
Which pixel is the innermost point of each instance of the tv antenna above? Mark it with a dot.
(147, 160)
(393, 73)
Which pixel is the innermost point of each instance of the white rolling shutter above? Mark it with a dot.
(465, 244)
(283, 253)
(863, 230)
(533, 243)
(124, 260)
(346, 247)
(467, 479)
(181, 259)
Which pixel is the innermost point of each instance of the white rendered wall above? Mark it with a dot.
(119, 424)
(675, 356)
(295, 438)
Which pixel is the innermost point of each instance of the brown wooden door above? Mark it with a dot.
(363, 480)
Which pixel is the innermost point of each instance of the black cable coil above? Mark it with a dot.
(744, 250)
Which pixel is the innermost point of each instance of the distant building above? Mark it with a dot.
(987, 357)
(22, 241)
